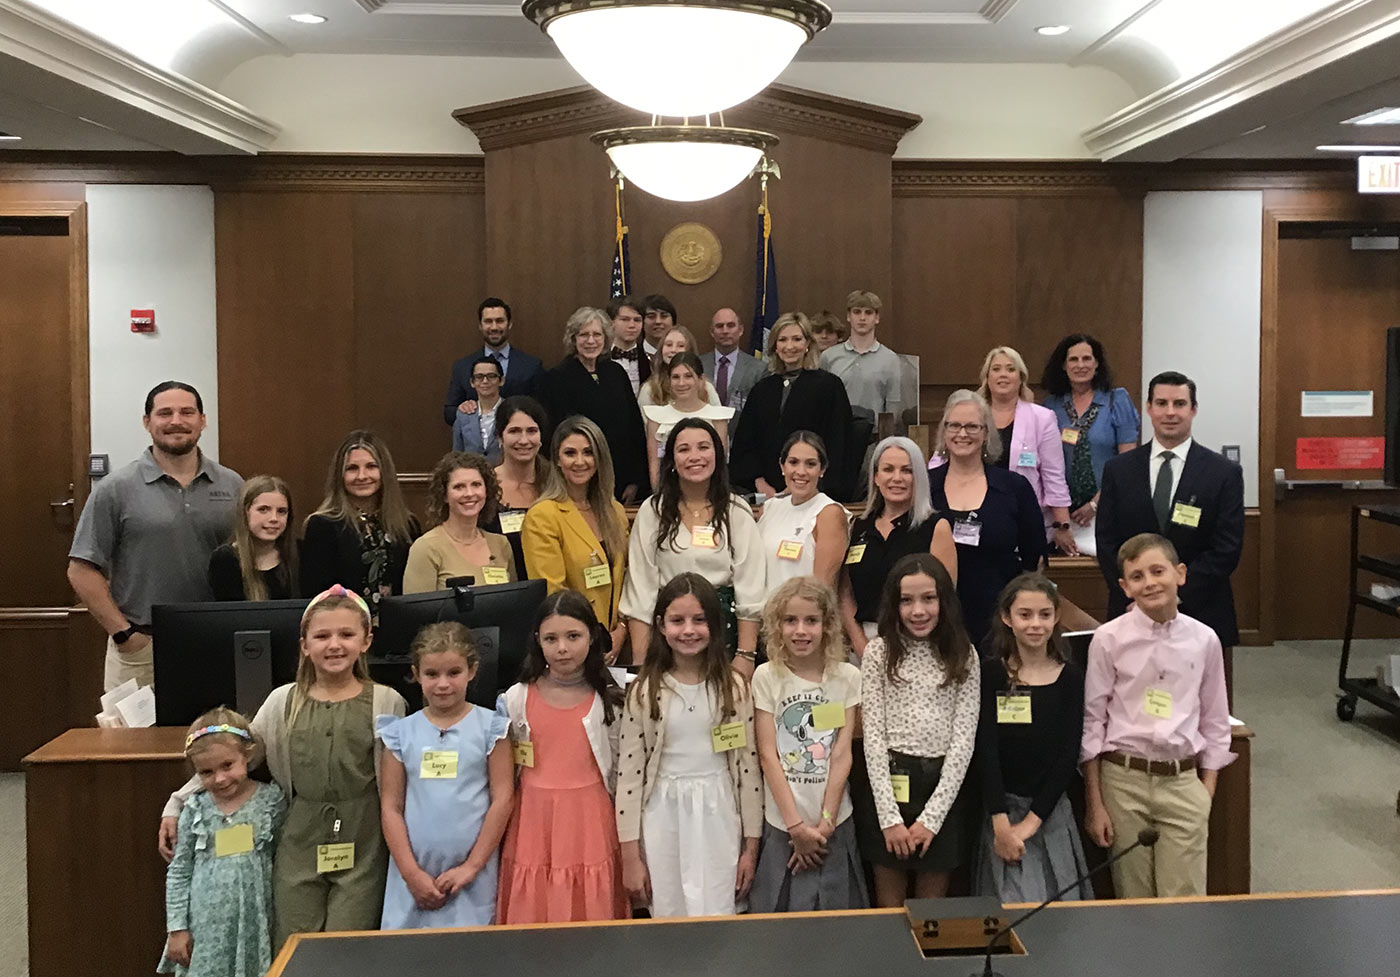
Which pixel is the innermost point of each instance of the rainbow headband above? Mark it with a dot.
(336, 590)
(220, 728)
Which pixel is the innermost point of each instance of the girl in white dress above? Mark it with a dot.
(689, 793)
(804, 530)
(656, 390)
(687, 380)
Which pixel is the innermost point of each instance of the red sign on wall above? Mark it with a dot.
(143, 320)
(1333, 453)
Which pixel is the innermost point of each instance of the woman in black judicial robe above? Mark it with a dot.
(796, 396)
(587, 383)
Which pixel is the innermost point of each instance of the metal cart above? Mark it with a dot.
(1368, 688)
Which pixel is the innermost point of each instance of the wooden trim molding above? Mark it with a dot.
(780, 108)
(934, 178)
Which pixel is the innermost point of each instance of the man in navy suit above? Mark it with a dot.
(1186, 492)
(478, 431)
(520, 368)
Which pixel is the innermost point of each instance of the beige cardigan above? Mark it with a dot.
(639, 762)
(270, 727)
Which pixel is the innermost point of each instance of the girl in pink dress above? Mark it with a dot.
(561, 861)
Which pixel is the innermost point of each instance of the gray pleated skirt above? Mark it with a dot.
(838, 884)
(1054, 858)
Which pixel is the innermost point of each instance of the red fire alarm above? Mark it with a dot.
(143, 320)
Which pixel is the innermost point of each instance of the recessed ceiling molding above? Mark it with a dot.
(1086, 55)
(989, 13)
(253, 29)
(1327, 37)
(448, 8)
(54, 45)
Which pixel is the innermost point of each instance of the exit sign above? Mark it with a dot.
(1378, 174)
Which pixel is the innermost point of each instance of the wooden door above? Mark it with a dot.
(1334, 306)
(36, 425)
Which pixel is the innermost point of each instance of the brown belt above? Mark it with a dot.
(1156, 768)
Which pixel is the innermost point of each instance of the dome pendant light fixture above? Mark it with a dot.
(712, 54)
(685, 163)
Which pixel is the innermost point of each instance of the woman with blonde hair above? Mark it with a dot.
(259, 562)
(795, 396)
(463, 496)
(657, 389)
(360, 535)
(586, 382)
(575, 536)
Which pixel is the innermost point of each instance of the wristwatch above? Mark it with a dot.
(1059, 525)
(123, 636)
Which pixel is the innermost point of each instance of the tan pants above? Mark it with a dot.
(1179, 808)
(121, 666)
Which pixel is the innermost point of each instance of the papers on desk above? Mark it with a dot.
(621, 675)
(1084, 538)
(1236, 722)
(128, 704)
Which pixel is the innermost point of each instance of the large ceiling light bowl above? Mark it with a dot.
(702, 56)
(685, 163)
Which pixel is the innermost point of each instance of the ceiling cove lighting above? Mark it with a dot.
(685, 163)
(1358, 149)
(1380, 117)
(9, 137)
(1052, 30)
(307, 18)
(713, 54)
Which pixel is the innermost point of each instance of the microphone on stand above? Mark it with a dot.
(1146, 838)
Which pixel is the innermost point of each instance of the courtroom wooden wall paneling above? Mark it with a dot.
(51, 665)
(286, 338)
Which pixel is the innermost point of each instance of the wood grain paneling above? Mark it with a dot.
(60, 694)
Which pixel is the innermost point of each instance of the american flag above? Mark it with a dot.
(621, 283)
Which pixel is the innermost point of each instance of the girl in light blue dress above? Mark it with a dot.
(446, 786)
(218, 888)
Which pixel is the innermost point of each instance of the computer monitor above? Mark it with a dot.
(1078, 642)
(230, 653)
(508, 607)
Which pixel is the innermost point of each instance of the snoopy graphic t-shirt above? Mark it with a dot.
(805, 741)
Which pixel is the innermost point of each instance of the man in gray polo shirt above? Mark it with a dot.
(871, 372)
(148, 529)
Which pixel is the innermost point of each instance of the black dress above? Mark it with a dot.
(816, 402)
(604, 397)
(358, 557)
(1010, 537)
(226, 577)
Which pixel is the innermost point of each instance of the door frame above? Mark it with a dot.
(1284, 207)
(79, 395)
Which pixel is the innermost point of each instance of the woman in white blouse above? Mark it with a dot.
(657, 389)
(687, 391)
(694, 524)
(804, 530)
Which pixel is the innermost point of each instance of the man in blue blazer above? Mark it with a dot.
(1187, 493)
(520, 368)
(480, 430)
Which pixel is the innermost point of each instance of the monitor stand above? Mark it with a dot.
(252, 669)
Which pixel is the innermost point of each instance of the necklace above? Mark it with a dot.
(459, 541)
(695, 513)
(568, 685)
(690, 703)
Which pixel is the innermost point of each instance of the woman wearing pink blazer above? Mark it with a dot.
(1030, 440)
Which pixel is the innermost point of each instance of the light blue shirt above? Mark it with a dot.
(1118, 422)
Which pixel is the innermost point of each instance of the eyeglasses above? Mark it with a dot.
(481, 377)
(953, 427)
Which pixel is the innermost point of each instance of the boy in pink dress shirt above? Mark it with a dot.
(1156, 728)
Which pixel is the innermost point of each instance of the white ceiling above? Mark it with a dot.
(1153, 44)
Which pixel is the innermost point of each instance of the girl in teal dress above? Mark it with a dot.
(218, 888)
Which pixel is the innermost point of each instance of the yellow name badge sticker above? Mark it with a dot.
(855, 554)
(335, 858)
(512, 521)
(236, 840)
(1014, 709)
(495, 575)
(728, 736)
(789, 549)
(597, 575)
(438, 765)
(1186, 515)
(1070, 435)
(828, 715)
(523, 753)
(703, 536)
(1158, 703)
(899, 782)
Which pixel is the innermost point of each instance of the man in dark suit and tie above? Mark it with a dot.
(520, 368)
(1186, 492)
(732, 370)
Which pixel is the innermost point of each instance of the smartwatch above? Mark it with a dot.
(122, 637)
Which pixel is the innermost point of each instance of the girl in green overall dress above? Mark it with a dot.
(331, 860)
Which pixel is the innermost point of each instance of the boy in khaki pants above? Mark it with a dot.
(1156, 728)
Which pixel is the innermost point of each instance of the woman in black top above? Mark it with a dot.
(259, 562)
(586, 382)
(997, 522)
(795, 396)
(523, 473)
(899, 520)
(359, 537)
(1028, 749)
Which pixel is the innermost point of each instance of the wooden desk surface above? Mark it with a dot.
(88, 745)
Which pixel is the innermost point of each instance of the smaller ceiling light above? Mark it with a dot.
(9, 137)
(1052, 30)
(307, 18)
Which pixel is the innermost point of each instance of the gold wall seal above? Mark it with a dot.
(690, 253)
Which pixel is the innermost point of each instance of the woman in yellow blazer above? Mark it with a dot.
(575, 536)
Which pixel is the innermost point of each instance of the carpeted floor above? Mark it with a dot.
(1324, 791)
